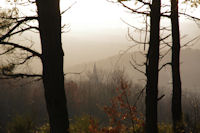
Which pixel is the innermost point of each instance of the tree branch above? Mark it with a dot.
(140, 12)
(160, 97)
(16, 26)
(137, 68)
(190, 16)
(23, 48)
(134, 10)
(25, 29)
(7, 51)
(19, 75)
(141, 92)
(68, 8)
(169, 63)
(192, 40)
(25, 60)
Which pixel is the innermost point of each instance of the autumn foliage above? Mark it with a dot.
(123, 116)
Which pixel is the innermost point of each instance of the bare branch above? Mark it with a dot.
(192, 40)
(75, 73)
(141, 12)
(68, 8)
(137, 68)
(23, 48)
(169, 63)
(131, 37)
(134, 10)
(135, 62)
(19, 75)
(160, 97)
(16, 18)
(16, 26)
(166, 43)
(165, 29)
(25, 60)
(25, 29)
(189, 16)
(133, 26)
(161, 39)
(140, 94)
(145, 3)
(7, 51)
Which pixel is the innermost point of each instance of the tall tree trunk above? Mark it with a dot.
(52, 59)
(152, 69)
(176, 96)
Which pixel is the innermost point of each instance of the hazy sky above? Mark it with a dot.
(96, 30)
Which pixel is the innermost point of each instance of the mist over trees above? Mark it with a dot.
(107, 100)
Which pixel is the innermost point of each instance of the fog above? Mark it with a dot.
(95, 35)
(95, 30)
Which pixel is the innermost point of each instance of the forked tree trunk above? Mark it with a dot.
(176, 96)
(152, 69)
(52, 59)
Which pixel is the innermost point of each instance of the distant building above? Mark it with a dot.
(95, 74)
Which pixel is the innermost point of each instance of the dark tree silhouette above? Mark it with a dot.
(49, 18)
(152, 69)
(52, 59)
(152, 61)
(177, 89)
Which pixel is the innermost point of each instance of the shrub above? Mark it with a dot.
(164, 128)
(44, 129)
(123, 117)
(21, 124)
(81, 124)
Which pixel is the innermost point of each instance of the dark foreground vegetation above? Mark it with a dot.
(98, 104)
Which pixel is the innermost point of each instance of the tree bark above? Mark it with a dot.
(52, 59)
(152, 69)
(176, 96)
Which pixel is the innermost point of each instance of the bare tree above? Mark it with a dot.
(152, 69)
(152, 61)
(177, 115)
(153, 56)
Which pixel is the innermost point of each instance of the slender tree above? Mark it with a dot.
(152, 60)
(152, 69)
(177, 89)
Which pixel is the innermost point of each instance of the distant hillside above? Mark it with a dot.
(190, 64)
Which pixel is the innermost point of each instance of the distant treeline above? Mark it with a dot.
(86, 96)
